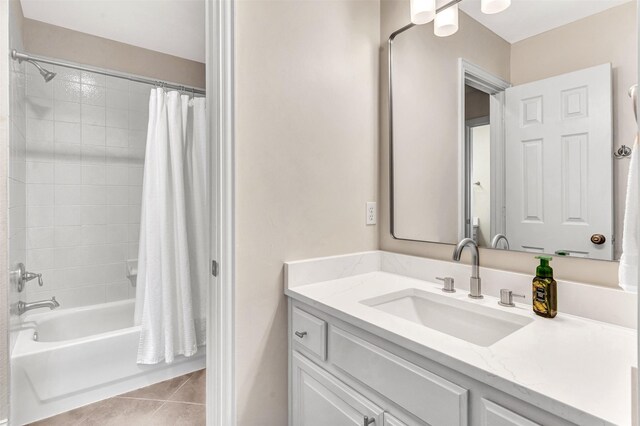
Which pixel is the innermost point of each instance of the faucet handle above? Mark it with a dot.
(448, 284)
(506, 297)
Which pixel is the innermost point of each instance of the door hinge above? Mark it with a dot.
(214, 268)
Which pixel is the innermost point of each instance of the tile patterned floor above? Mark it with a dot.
(175, 402)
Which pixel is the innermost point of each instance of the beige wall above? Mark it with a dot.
(61, 43)
(394, 14)
(426, 131)
(306, 159)
(609, 36)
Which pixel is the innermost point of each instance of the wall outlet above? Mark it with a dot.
(372, 215)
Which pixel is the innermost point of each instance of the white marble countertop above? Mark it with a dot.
(577, 368)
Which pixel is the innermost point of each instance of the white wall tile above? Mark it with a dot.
(118, 118)
(93, 154)
(68, 174)
(117, 291)
(117, 137)
(39, 130)
(117, 233)
(40, 194)
(117, 83)
(66, 73)
(92, 78)
(93, 115)
(93, 174)
(65, 90)
(67, 132)
(68, 152)
(137, 138)
(39, 238)
(93, 135)
(40, 259)
(41, 108)
(118, 214)
(36, 86)
(40, 216)
(67, 236)
(119, 195)
(117, 175)
(67, 111)
(117, 156)
(40, 172)
(117, 99)
(93, 95)
(138, 120)
(135, 175)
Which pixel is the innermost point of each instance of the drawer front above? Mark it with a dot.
(496, 415)
(422, 393)
(309, 333)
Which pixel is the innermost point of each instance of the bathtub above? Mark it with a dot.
(64, 359)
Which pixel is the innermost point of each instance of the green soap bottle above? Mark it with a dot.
(545, 290)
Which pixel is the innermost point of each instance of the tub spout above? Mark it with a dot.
(25, 307)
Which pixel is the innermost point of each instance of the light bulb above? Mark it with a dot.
(446, 22)
(494, 6)
(422, 11)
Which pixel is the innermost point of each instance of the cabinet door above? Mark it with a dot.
(319, 399)
(389, 420)
(496, 415)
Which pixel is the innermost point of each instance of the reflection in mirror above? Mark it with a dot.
(517, 130)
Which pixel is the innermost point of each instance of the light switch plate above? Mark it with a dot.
(372, 215)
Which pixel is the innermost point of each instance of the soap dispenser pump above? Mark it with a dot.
(545, 290)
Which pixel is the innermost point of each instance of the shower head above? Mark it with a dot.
(46, 74)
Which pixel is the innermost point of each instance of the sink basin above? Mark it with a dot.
(463, 319)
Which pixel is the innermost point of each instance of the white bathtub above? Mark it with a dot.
(81, 355)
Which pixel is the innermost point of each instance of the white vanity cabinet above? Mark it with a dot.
(342, 375)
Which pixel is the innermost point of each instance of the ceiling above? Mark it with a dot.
(175, 27)
(526, 18)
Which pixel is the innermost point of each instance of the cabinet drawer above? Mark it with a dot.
(496, 415)
(428, 396)
(309, 333)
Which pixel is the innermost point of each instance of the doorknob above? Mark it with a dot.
(598, 239)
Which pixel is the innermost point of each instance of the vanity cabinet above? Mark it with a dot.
(342, 375)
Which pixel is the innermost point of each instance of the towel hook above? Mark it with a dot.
(622, 152)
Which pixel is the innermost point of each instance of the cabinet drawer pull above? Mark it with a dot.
(368, 420)
(301, 334)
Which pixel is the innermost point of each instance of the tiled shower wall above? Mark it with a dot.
(85, 143)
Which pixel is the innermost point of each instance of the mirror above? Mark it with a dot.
(517, 130)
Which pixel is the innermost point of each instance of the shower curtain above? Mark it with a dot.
(173, 269)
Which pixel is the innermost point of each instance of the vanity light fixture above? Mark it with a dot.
(445, 17)
(422, 11)
(446, 22)
(490, 7)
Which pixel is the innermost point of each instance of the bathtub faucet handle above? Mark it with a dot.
(20, 276)
(28, 276)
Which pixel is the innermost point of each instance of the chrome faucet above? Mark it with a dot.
(25, 307)
(475, 287)
(496, 240)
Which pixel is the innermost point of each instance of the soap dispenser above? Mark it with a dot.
(545, 290)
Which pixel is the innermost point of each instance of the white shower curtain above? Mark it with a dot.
(172, 258)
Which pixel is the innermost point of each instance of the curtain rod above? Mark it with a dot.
(19, 56)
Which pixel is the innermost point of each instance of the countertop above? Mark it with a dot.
(577, 368)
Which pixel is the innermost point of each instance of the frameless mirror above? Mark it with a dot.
(517, 130)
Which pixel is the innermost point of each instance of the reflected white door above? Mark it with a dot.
(558, 189)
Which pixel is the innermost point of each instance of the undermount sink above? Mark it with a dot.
(463, 319)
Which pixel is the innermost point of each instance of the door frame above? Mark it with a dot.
(468, 149)
(478, 78)
(221, 396)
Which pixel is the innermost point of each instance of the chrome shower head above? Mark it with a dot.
(46, 74)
